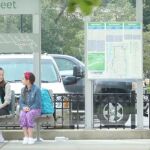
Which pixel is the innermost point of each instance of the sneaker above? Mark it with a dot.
(25, 140)
(1, 140)
(1, 137)
(31, 141)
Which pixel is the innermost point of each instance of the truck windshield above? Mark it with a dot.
(15, 68)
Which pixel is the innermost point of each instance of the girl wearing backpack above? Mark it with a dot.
(5, 98)
(30, 104)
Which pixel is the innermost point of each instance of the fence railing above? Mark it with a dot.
(111, 110)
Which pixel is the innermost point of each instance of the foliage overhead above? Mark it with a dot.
(86, 6)
(115, 10)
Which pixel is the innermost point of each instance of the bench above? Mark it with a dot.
(12, 116)
(43, 118)
(39, 120)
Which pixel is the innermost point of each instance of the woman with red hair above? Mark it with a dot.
(30, 104)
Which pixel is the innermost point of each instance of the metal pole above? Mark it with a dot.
(139, 11)
(139, 104)
(88, 90)
(21, 23)
(88, 104)
(37, 54)
(139, 18)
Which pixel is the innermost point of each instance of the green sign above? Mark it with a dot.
(132, 26)
(114, 26)
(96, 62)
(96, 25)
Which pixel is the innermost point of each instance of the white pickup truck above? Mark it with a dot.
(15, 65)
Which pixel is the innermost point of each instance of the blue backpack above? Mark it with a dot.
(47, 103)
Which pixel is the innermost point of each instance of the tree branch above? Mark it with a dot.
(61, 13)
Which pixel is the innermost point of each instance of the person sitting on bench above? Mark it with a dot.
(30, 105)
(5, 94)
(5, 98)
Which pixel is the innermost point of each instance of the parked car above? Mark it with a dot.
(108, 105)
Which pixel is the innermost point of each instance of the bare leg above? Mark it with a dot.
(25, 131)
(30, 132)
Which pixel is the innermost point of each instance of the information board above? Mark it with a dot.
(114, 50)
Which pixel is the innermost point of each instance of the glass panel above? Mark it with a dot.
(64, 64)
(14, 69)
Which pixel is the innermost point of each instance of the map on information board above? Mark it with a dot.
(114, 50)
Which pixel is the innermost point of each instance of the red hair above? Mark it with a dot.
(29, 76)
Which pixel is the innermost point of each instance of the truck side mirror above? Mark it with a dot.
(68, 80)
(77, 71)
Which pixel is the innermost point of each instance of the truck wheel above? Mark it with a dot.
(113, 113)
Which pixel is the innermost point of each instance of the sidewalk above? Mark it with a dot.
(80, 145)
(83, 134)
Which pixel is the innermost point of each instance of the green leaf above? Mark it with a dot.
(86, 6)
